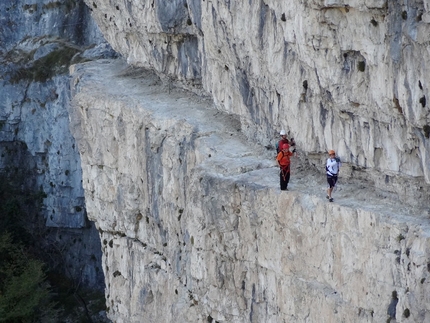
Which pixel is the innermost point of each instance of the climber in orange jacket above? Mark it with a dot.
(283, 159)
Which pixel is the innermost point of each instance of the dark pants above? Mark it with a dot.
(331, 180)
(284, 176)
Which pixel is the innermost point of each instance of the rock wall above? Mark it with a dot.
(39, 39)
(195, 229)
(348, 75)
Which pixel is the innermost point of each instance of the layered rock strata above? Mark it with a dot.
(195, 229)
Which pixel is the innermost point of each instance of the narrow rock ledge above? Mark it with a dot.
(194, 228)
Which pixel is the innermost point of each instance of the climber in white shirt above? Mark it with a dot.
(332, 168)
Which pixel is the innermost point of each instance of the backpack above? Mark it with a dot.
(284, 161)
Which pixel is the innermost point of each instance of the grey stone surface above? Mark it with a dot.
(34, 94)
(38, 39)
(195, 229)
(348, 75)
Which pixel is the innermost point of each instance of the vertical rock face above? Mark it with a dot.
(33, 98)
(192, 224)
(194, 228)
(348, 75)
(39, 40)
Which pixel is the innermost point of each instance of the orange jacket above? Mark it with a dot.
(283, 158)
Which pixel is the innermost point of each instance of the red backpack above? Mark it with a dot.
(284, 156)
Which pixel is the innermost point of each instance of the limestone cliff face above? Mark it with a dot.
(38, 40)
(195, 229)
(193, 226)
(348, 75)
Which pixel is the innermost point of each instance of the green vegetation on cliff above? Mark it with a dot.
(25, 294)
(44, 68)
(31, 290)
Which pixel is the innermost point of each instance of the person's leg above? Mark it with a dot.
(287, 177)
(331, 182)
(283, 181)
(334, 180)
(330, 186)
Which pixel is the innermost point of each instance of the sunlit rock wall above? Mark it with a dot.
(195, 229)
(348, 75)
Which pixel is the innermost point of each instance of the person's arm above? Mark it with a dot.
(339, 163)
(292, 142)
(292, 150)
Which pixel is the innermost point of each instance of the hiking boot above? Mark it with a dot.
(330, 199)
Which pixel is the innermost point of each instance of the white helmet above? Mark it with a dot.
(282, 133)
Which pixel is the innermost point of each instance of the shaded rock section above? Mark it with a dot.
(39, 40)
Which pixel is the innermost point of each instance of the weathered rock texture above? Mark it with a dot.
(193, 226)
(348, 75)
(32, 101)
(195, 229)
(38, 41)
